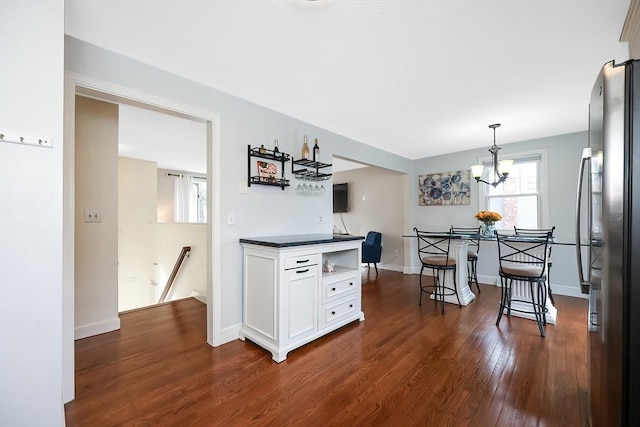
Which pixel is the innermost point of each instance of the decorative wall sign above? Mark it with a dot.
(267, 171)
(445, 188)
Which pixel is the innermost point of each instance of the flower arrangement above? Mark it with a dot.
(488, 217)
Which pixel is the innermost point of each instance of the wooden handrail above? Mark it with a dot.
(183, 253)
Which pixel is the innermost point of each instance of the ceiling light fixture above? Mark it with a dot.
(500, 169)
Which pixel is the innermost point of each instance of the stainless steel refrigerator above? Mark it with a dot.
(608, 208)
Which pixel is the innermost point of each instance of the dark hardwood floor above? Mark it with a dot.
(404, 365)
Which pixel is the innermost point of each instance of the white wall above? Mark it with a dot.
(96, 243)
(148, 250)
(168, 241)
(165, 196)
(563, 155)
(376, 203)
(137, 187)
(31, 103)
(262, 210)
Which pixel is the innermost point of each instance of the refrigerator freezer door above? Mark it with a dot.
(607, 182)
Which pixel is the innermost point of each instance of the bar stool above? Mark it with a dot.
(524, 259)
(473, 236)
(540, 232)
(433, 252)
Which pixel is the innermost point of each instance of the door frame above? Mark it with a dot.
(105, 90)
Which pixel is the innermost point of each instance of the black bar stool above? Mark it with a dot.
(473, 234)
(524, 259)
(540, 232)
(433, 252)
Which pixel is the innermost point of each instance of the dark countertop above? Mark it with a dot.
(299, 240)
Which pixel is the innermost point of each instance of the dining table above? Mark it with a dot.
(520, 290)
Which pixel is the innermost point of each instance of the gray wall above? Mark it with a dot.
(377, 199)
(563, 153)
(262, 210)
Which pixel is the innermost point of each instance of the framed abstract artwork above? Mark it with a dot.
(444, 188)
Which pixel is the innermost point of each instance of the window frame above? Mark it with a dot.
(543, 187)
(201, 206)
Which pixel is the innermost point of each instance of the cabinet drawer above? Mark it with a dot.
(301, 261)
(334, 313)
(339, 288)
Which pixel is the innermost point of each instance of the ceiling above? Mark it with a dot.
(415, 78)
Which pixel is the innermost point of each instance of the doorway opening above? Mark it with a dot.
(375, 200)
(89, 88)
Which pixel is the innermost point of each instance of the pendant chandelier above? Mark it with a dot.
(500, 169)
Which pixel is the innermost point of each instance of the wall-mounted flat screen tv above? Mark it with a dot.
(340, 198)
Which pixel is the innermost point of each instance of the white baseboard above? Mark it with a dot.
(199, 296)
(230, 333)
(565, 290)
(390, 267)
(96, 328)
(489, 280)
(569, 291)
(411, 270)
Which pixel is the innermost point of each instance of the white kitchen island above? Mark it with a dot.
(289, 300)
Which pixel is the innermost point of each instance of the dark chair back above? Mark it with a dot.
(523, 257)
(472, 232)
(535, 232)
(372, 247)
(433, 248)
(373, 238)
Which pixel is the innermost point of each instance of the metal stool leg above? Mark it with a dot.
(421, 288)
(537, 307)
(503, 299)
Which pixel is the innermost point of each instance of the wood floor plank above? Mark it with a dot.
(404, 365)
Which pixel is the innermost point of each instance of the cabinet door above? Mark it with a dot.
(302, 284)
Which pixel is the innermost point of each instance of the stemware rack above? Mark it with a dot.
(310, 170)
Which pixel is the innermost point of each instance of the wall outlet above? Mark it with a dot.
(231, 218)
(320, 219)
(92, 215)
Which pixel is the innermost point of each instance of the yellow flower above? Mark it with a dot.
(488, 216)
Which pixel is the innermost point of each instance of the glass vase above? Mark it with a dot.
(487, 229)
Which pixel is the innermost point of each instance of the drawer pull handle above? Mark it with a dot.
(302, 271)
(350, 305)
(333, 313)
(302, 261)
(350, 283)
(333, 289)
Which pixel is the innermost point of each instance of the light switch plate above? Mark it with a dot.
(243, 187)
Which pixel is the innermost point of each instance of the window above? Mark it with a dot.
(201, 199)
(521, 199)
(189, 198)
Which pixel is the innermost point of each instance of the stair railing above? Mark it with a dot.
(183, 254)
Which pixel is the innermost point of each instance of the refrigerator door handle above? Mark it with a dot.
(586, 155)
